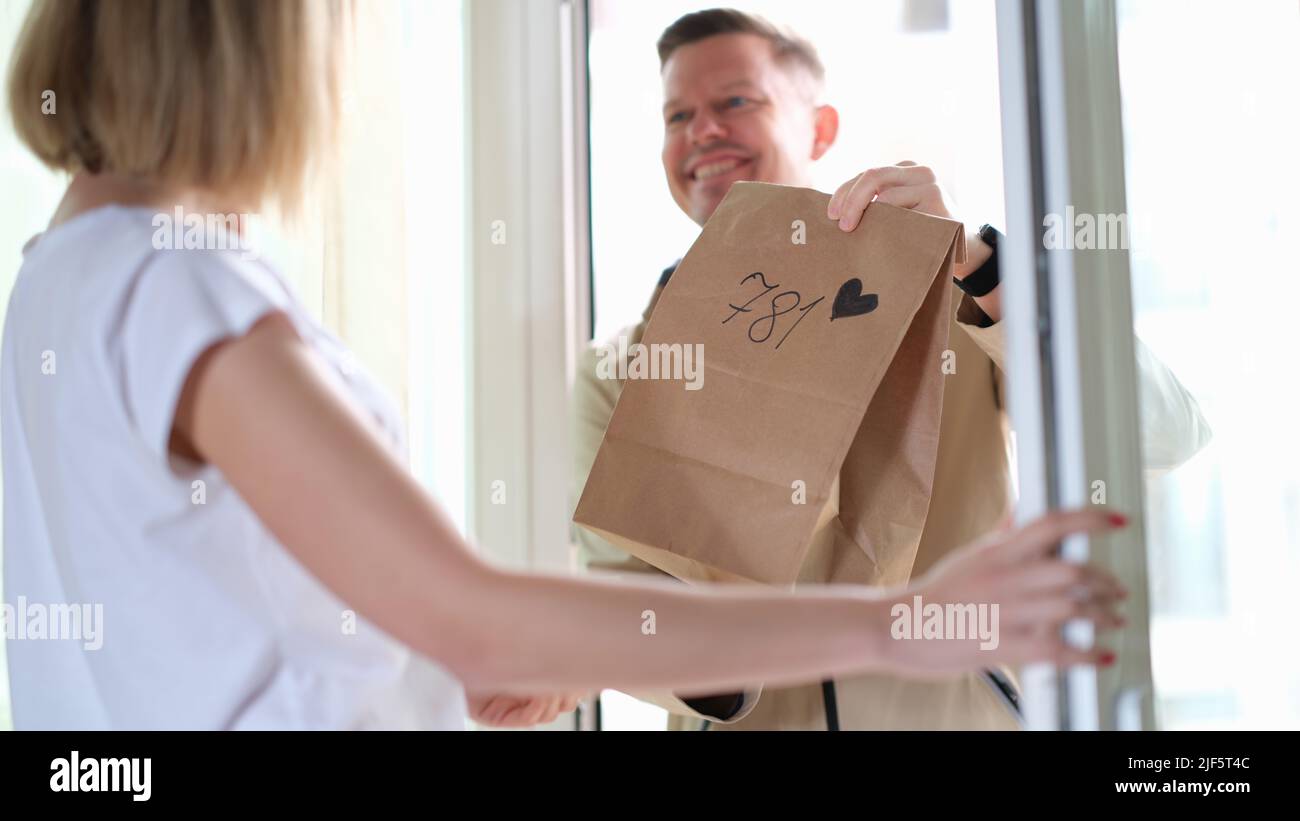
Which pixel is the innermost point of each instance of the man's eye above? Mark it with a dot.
(676, 117)
(736, 102)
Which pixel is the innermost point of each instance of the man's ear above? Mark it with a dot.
(826, 124)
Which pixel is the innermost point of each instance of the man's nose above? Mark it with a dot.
(706, 128)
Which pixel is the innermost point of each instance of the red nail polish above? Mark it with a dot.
(1107, 659)
(1117, 520)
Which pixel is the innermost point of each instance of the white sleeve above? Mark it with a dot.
(1173, 429)
(181, 304)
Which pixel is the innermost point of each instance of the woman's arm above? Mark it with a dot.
(265, 411)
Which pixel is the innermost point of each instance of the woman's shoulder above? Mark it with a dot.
(105, 260)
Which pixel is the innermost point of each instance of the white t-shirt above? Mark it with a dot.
(202, 619)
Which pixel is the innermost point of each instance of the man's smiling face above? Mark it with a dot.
(734, 112)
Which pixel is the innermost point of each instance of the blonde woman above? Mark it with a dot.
(177, 365)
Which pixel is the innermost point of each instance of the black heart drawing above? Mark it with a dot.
(850, 301)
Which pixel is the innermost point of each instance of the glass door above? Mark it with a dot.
(1150, 155)
(1211, 127)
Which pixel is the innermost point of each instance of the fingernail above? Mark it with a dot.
(1107, 659)
(1117, 520)
(833, 212)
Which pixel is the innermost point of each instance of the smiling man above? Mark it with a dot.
(742, 102)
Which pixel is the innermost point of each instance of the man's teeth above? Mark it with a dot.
(713, 169)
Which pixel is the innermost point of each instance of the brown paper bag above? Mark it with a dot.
(807, 452)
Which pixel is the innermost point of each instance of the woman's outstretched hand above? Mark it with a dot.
(1003, 600)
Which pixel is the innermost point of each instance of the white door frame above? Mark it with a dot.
(1069, 327)
(528, 289)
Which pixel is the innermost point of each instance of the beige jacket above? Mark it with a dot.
(972, 491)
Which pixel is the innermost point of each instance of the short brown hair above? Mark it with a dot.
(700, 25)
(230, 95)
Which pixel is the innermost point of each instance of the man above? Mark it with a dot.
(741, 103)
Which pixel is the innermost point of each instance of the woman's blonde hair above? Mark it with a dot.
(235, 96)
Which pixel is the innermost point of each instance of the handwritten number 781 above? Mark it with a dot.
(769, 320)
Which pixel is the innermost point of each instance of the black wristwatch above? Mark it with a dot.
(983, 279)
